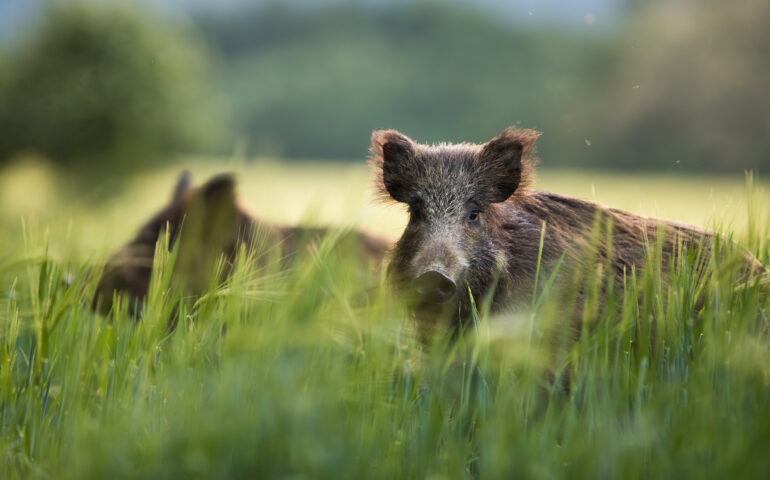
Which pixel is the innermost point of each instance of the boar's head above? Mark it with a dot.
(457, 195)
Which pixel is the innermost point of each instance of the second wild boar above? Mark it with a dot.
(208, 224)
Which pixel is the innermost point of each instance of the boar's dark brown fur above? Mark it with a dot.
(207, 224)
(475, 223)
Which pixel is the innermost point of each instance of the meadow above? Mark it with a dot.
(301, 374)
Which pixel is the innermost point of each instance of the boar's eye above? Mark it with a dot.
(473, 215)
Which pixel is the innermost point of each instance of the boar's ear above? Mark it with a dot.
(214, 206)
(182, 186)
(506, 163)
(392, 153)
(219, 189)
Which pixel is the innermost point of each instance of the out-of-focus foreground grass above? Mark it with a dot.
(303, 373)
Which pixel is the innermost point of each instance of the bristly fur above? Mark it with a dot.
(525, 137)
(475, 221)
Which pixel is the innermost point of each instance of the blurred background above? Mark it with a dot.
(97, 94)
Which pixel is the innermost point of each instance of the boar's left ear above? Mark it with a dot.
(182, 186)
(506, 163)
(391, 163)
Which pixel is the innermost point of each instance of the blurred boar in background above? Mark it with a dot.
(206, 224)
(475, 227)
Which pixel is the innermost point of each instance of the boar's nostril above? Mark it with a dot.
(434, 287)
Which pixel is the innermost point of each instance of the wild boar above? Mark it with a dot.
(207, 223)
(475, 226)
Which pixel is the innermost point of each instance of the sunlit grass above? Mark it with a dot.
(311, 373)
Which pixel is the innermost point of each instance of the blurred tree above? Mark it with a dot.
(313, 83)
(680, 85)
(690, 88)
(102, 83)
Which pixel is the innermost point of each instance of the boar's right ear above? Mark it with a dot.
(506, 162)
(217, 203)
(391, 163)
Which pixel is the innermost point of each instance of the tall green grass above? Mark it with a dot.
(310, 373)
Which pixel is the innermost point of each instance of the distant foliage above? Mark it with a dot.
(103, 83)
(673, 85)
(691, 88)
(314, 84)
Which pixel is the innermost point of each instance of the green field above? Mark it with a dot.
(300, 374)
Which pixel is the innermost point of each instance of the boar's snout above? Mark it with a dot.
(433, 288)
